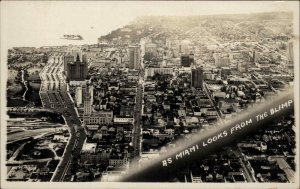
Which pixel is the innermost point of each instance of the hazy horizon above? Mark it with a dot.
(36, 23)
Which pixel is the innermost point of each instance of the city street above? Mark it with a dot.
(212, 102)
(192, 92)
(136, 139)
(65, 106)
(247, 172)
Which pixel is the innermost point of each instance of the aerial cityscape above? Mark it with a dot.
(94, 112)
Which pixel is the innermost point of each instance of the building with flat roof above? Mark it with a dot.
(98, 118)
(52, 75)
(221, 60)
(87, 102)
(89, 147)
(78, 95)
(118, 159)
(187, 60)
(197, 78)
(134, 57)
(149, 72)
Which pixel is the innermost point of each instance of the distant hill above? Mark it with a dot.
(166, 25)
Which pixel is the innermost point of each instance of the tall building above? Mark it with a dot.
(87, 102)
(225, 71)
(91, 91)
(91, 117)
(242, 67)
(256, 56)
(187, 60)
(78, 96)
(77, 71)
(151, 48)
(68, 59)
(184, 46)
(143, 43)
(84, 58)
(150, 51)
(197, 78)
(134, 57)
(192, 60)
(221, 60)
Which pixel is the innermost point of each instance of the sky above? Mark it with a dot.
(42, 23)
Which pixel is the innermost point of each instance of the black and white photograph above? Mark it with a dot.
(149, 94)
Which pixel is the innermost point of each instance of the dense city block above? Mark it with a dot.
(95, 112)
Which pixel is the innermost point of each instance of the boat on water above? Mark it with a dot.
(72, 37)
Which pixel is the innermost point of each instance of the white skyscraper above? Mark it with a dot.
(78, 96)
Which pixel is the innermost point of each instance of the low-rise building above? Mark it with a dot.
(98, 118)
